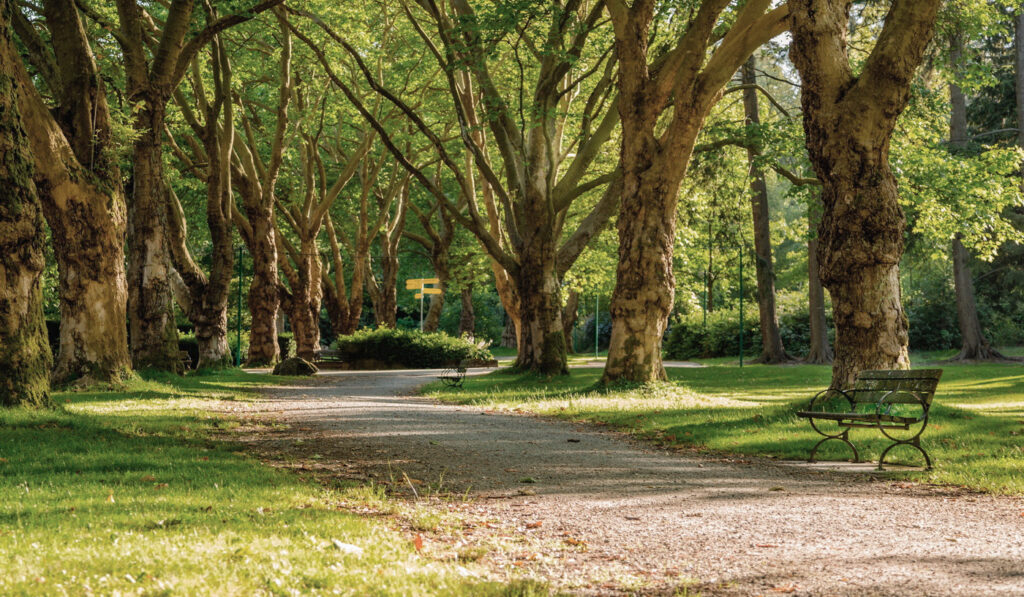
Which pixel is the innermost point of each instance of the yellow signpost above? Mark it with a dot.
(422, 284)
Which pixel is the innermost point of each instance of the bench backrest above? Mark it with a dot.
(873, 384)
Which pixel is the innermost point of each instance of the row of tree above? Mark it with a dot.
(310, 132)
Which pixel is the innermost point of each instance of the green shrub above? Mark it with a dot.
(408, 348)
(688, 337)
(286, 343)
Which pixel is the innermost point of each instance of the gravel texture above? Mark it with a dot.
(599, 514)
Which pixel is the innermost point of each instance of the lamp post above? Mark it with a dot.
(741, 303)
(238, 317)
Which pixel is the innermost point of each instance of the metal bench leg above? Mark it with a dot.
(844, 437)
(916, 443)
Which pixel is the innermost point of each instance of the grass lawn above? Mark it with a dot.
(975, 434)
(134, 492)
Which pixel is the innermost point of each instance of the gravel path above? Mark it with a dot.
(654, 522)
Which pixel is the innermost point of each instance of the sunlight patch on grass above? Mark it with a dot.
(127, 491)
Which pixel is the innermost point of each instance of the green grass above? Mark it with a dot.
(134, 491)
(975, 435)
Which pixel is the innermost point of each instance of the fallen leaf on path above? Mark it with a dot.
(110, 498)
(417, 542)
(575, 542)
(789, 589)
(573, 440)
(535, 525)
(766, 545)
(528, 480)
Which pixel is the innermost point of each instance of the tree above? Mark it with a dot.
(663, 101)
(772, 350)
(24, 351)
(153, 69)
(540, 181)
(848, 123)
(204, 298)
(974, 345)
(79, 186)
(820, 352)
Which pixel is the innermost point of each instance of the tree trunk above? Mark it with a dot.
(436, 304)
(264, 296)
(541, 341)
(848, 122)
(569, 315)
(25, 357)
(388, 315)
(772, 351)
(820, 352)
(154, 337)
(79, 186)
(509, 334)
(467, 318)
(306, 303)
(644, 280)
(973, 344)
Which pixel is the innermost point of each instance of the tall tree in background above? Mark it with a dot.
(683, 84)
(152, 74)
(256, 166)
(204, 298)
(974, 345)
(24, 351)
(820, 352)
(848, 123)
(79, 185)
(537, 182)
(772, 350)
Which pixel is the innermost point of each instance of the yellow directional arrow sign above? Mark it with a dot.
(431, 291)
(414, 283)
(418, 295)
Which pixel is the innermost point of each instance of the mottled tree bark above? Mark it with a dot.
(772, 351)
(467, 317)
(264, 296)
(820, 352)
(848, 122)
(655, 154)
(151, 78)
(79, 185)
(25, 358)
(205, 301)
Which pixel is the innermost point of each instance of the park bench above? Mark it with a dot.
(891, 401)
(327, 356)
(185, 359)
(454, 376)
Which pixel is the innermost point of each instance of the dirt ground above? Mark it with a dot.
(595, 514)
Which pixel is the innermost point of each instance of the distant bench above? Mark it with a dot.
(454, 376)
(327, 356)
(882, 399)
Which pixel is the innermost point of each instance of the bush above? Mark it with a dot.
(688, 338)
(286, 343)
(408, 348)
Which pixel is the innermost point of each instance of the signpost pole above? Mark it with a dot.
(597, 314)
